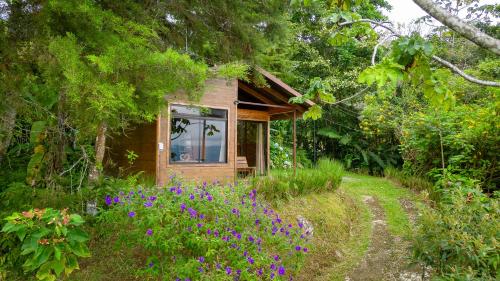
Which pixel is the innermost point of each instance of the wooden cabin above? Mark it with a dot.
(227, 132)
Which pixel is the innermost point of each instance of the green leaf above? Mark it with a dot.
(77, 235)
(58, 266)
(79, 249)
(76, 219)
(36, 129)
(57, 252)
(72, 264)
(314, 112)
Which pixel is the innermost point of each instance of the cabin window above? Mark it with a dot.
(198, 135)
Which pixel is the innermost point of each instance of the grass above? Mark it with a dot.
(341, 232)
(409, 181)
(282, 185)
(388, 195)
(343, 223)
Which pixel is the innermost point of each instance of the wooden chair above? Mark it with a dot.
(242, 166)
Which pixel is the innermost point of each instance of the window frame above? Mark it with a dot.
(188, 116)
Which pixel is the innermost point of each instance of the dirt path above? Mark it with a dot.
(387, 255)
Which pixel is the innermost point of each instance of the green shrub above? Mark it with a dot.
(208, 232)
(282, 184)
(410, 181)
(48, 241)
(459, 237)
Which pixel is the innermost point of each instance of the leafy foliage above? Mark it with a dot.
(459, 239)
(51, 240)
(214, 231)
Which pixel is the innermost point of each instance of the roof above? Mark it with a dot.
(291, 91)
(274, 97)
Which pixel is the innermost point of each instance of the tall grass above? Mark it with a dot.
(283, 185)
(413, 182)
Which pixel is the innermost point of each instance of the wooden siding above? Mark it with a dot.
(221, 94)
(141, 139)
(252, 115)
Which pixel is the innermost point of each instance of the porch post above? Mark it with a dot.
(294, 143)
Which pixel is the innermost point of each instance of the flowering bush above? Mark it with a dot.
(207, 232)
(50, 239)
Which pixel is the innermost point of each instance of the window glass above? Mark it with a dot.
(198, 135)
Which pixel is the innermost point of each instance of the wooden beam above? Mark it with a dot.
(265, 104)
(294, 143)
(282, 98)
(255, 94)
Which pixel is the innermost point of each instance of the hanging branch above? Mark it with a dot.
(460, 26)
(443, 62)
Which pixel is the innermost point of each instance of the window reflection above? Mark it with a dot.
(198, 135)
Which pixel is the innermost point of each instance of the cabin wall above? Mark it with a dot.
(141, 139)
(219, 93)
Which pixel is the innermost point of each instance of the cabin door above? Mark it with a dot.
(252, 143)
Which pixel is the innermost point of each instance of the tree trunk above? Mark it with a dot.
(7, 123)
(100, 148)
(460, 26)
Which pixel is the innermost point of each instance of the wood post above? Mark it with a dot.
(294, 143)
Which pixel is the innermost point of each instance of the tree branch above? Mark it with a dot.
(460, 26)
(374, 55)
(467, 77)
(443, 62)
(353, 96)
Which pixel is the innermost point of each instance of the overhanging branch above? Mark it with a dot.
(443, 62)
(461, 27)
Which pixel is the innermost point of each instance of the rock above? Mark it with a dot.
(306, 226)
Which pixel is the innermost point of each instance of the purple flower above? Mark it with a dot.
(201, 259)
(192, 212)
(272, 275)
(273, 266)
(209, 197)
(151, 264)
(116, 199)
(148, 204)
(297, 248)
(202, 216)
(250, 260)
(149, 232)
(108, 200)
(179, 191)
(191, 197)
(131, 214)
(250, 238)
(199, 225)
(152, 198)
(259, 272)
(209, 231)
(305, 250)
(276, 258)
(257, 221)
(216, 233)
(228, 270)
(281, 270)
(238, 236)
(183, 207)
